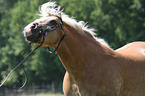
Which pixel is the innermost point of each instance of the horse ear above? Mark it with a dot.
(59, 12)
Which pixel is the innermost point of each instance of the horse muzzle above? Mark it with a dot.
(33, 38)
(36, 32)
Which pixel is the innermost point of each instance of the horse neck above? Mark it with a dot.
(78, 50)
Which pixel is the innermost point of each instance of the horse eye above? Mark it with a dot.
(53, 22)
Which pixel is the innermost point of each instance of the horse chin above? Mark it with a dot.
(38, 44)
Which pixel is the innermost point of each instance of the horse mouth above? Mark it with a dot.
(34, 37)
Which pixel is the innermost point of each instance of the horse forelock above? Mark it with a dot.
(51, 9)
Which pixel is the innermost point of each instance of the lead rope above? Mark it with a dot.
(22, 63)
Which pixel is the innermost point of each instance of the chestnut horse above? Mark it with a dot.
(92, 68)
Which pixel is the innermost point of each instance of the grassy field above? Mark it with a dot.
(49, 94)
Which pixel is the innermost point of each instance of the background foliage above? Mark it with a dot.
(117, 21)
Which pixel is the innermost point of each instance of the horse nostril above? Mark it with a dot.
(35, 34)
(34, 27)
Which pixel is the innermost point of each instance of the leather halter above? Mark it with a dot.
(40, 31)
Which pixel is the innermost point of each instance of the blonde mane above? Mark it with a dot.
(51, 8)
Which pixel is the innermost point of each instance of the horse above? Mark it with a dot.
(92, 67)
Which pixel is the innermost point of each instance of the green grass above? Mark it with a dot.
(49, 94)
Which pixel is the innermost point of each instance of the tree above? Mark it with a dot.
(121, 19)
(118, 21)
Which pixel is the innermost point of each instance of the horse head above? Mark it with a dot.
(49, 29)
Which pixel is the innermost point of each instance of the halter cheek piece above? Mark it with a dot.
(64, 34)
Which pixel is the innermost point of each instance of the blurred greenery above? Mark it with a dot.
(117, 21)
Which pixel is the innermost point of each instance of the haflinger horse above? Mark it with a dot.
(92, 67)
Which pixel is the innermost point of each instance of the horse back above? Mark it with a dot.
(134, 51)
